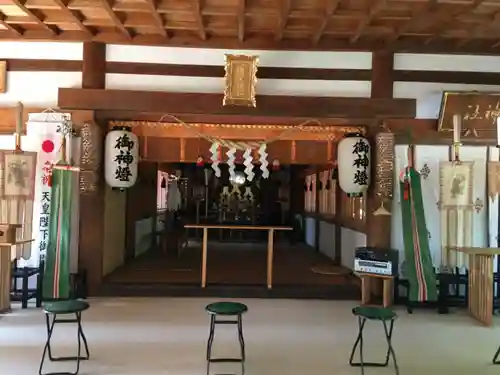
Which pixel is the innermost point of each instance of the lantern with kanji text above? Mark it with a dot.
(121, 158)
(354, 164)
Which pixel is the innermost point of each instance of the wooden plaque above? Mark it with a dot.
(478, 110)
(240, 80)
(3, 77)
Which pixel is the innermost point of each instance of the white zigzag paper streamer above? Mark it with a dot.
(230, 161)
(248, 163)
(214, 149)
(263, 161)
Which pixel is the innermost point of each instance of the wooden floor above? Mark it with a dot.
(233, 264)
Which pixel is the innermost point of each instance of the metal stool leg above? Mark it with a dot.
(242, 343)
(359, 341)
(210, 342)
(495, 360)
(48, 349)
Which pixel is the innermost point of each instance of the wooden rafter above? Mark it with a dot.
(283, 12)
(11, 28)
(452, 16)
(75, 17)
(426, 12)
(108, 8)
(330, 8)
(36, 18)
(374, 9)
(241, 20)
(197, 8)
(477, 31)
(152, 7)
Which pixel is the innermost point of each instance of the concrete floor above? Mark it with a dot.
(168, 336)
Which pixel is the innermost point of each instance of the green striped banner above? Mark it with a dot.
(56, 280)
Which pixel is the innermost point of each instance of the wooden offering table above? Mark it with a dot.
(270, 246)
(366, 290)
(5, 272)
(480, 287)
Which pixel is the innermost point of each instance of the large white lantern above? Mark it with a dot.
(354, 164)
(121, 158)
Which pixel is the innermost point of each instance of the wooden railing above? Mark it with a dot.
(270, 245)
(480, 286)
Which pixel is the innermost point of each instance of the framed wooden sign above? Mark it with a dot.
(478, 110)
(240, 80)
(3, 76)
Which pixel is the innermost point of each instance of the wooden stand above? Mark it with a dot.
(480, 302)
(270, 246)
(387, 294)
(5, 273)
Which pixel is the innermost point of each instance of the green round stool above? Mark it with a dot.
(220, 312)
(381, 314)
(65, 308)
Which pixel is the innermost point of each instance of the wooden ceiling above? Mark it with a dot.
(447, 26)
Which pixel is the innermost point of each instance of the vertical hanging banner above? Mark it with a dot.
(43, 127)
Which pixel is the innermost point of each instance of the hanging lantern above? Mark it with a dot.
(121, 158)
(354, 164)
(276, 165)
(200, 162)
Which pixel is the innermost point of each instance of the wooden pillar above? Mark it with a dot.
(317, 215)
(94, 65)
(378, 228)
(92, 206)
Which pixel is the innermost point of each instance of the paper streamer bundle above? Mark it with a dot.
(248, 163)
(384, 163)
(230, 161)
(214, 149)
(263, 161)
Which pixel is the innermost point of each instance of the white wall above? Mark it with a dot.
(193, 56)
(429, 95)
(39, 89)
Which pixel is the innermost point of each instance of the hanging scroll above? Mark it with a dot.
(384, 164)
(456, 204)
(493, 179)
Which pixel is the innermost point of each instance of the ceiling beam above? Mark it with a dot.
(267, 105)
(197, 8)
(427, 11)
(11, 28)
(374, 9)
(108, 8)
(478, 30)
(330, 7)
(153, 9)
(450, 17)
(36, 18)
(283, 12)
(241, 20)
(75, 16)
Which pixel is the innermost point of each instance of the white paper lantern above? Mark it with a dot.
(354, 164)
(121, 158)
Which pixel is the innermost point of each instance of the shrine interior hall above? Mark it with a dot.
(313, 171)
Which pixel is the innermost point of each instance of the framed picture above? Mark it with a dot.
(3, 77)
(240, 80)
(18, 174)
(456, 184)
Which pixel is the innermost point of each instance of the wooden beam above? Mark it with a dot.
(284, 10)
(425, 12)
(108, 8)
(153, 9)
(478, 30)
(452, 16)
(37, 19)
(241, 20)
(75, 16)
(11, 28)
(330, 8)
(191, 103)
(382, 75)
(94, 66)
(365, 22)
(197, 8)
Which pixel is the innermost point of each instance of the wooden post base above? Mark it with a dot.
(5, 270)
(366, 289)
